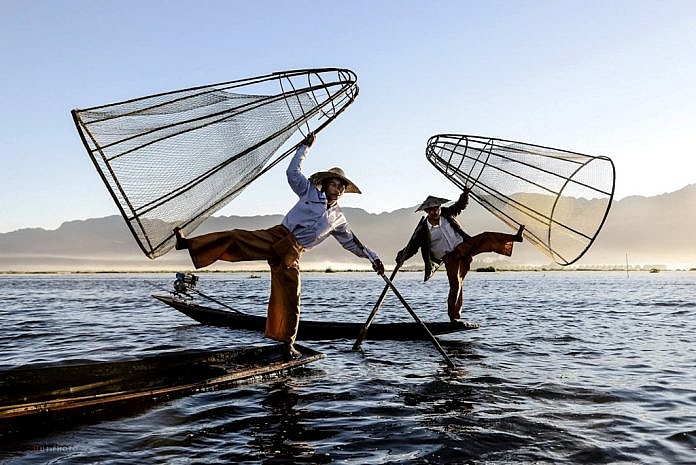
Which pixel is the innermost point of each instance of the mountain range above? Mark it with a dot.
(640, 232)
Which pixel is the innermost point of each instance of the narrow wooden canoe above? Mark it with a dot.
(314, 330)
(39, 391)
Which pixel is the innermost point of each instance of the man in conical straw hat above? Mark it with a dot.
(442, 240)
(315, 216)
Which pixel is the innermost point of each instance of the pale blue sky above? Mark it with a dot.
(615, 78)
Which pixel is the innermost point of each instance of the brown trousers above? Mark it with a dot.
(281, 250)
(458, 263)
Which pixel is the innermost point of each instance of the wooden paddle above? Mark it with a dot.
(216, 301)
(370, 319)
(434, 340)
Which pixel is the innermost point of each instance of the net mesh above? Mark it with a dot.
(561, 197)
(173, 159)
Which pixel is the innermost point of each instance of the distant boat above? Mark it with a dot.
(654, 270)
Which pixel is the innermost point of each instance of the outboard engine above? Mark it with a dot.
(185, 283)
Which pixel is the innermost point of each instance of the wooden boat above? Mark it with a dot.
(313, 330)
(39, 392)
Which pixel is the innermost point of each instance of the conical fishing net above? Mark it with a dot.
(173, 159)
(561, 197)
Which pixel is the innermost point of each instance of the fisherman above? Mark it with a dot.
(446, 242)
(314, 217)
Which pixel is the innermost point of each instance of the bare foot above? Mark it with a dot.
(290, 353)
(518, 236)
(181, 243)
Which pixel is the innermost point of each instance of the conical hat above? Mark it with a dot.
(432, 201)
(335, 172)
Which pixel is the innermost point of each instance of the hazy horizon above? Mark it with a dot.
(602, 78)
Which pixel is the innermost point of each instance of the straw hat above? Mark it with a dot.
(335, 172)
(432, 201)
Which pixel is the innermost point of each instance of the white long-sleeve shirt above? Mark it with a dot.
(310, 221)
(443, 238)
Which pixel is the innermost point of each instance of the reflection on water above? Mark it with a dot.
(567, 367)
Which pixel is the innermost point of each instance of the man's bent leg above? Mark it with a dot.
(234, 246)
(488, 242)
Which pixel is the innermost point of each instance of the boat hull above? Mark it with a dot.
(39, 392)
(314, 330)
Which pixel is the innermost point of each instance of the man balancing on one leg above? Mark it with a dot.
(445, 241)
(314, 217)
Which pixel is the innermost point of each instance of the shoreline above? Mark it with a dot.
(541, 269)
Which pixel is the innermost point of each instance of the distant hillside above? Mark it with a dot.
(649, 231)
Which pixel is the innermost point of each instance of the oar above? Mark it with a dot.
(370, 319)
(215, 300)
(419, 321)
(408, 307)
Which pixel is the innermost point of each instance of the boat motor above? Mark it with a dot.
(185, 283)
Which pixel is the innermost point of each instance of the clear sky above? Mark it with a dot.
(615, 78)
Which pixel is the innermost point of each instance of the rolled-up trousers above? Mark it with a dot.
(458, 263)
(282, 251)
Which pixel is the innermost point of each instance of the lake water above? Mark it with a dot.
(567, 367)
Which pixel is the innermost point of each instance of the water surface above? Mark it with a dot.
(567, 367)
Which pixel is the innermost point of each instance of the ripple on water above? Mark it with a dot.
(566, 368)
